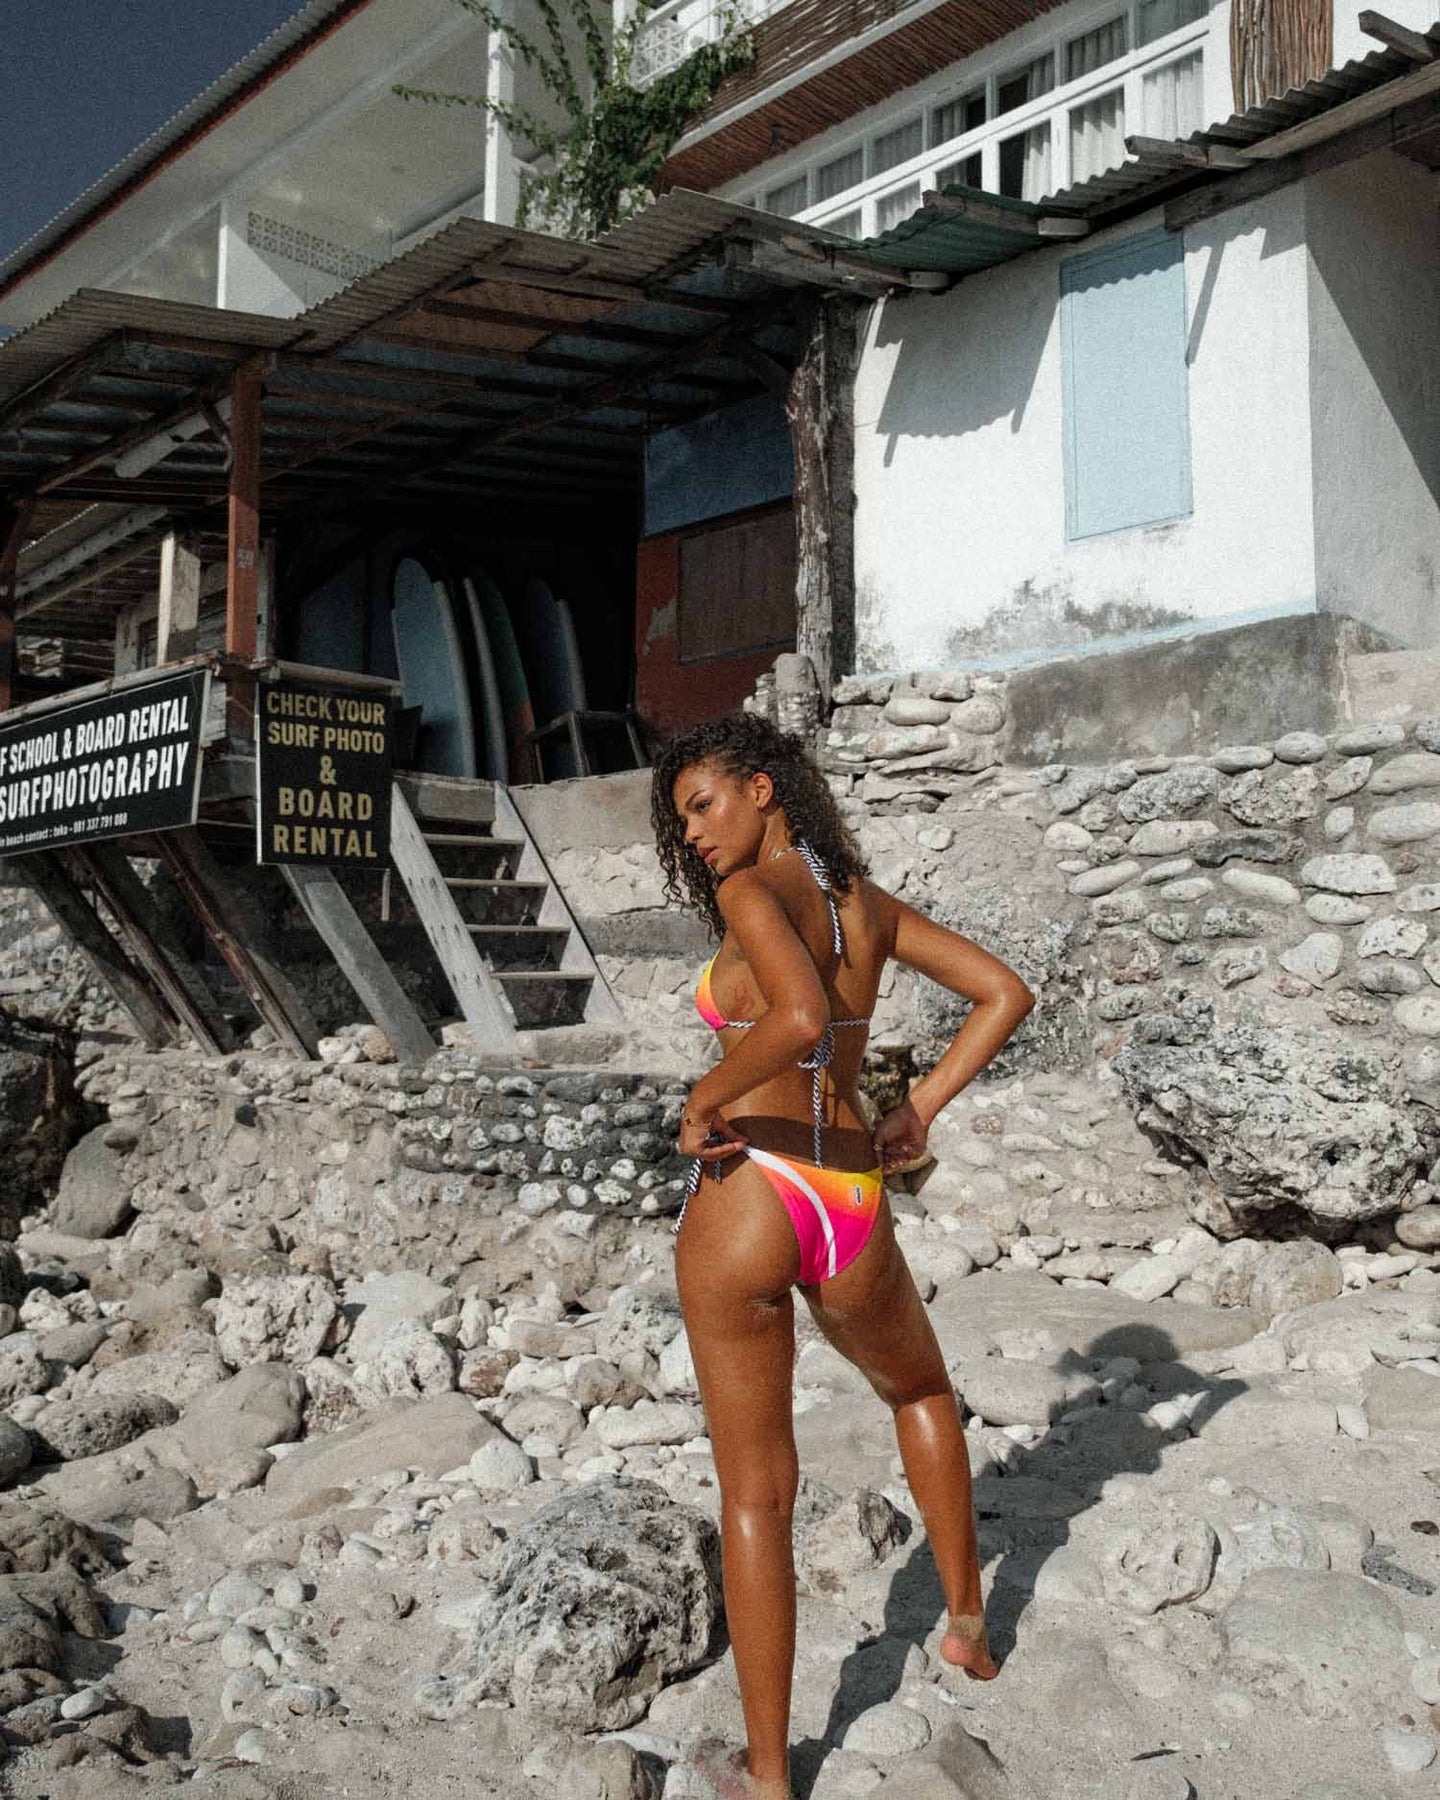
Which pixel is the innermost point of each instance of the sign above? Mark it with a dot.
(126, 762)
(323, 785)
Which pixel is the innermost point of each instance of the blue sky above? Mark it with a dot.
(82, 82)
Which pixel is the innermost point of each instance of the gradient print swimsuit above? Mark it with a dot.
(833, 1211)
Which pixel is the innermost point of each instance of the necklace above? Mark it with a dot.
(785, 850)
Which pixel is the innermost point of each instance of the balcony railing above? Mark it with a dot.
(670, 32)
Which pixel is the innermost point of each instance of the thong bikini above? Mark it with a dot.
(833, 1210)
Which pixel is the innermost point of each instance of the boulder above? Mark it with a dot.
(637, 1318)
(601, 1598)
(1402, 1399)
(383, 1300)
(15, 1449)
(1003, 1392)
(1281, 1127)
(94, 1196)
(120, 1486)
(258, 1407)
(409, 1363)
(1289, 1276)
(430, 1435)
(35, 1538)
(1338, 1641)
(841, 1538)
(35, 1612)
(273, 1318)
(70, 1429)
(23, 1370)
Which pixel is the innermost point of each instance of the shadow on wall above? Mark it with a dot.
(969, 358)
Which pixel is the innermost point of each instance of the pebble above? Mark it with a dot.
(253, 1746)
(84, 1703)
(501, 1466)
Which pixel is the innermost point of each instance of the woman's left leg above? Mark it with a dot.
(735, 1260)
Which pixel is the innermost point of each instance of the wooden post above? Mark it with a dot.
(14, 523)
(242, 578)
(179, 601)
(821, 411)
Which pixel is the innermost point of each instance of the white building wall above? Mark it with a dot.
(961, 552)
(1373, 231)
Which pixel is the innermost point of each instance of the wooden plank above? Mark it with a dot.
(242, 581)
(236, 928)
(476, 992)
(179, 612)
(328, 908)
(43, 872)
(153, 947)
(1412, 44)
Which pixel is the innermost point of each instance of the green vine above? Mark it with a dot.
(604, 159)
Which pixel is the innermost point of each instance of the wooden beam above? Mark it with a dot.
(243, 562)
(179, 613)
(1400, 38)
(14, 523)
(1391, 131)
(236, 927)
(1364, 107)
(328, 908)
(821, 411)
(153, 946)
(63, 898)
(1186, 155)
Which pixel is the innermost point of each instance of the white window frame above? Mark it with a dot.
(987, 70)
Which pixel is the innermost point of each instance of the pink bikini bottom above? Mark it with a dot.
(833, 1210)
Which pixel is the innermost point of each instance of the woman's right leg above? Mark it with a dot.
(873, 1314)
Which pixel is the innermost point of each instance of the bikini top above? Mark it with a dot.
(821, 1056)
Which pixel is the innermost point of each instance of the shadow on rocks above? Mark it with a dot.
(1027, 1514)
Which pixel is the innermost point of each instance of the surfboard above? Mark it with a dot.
(510, 673)
(492, 710)
(556, 674)
(431, 660)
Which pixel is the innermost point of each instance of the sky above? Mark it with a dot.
(83, 82)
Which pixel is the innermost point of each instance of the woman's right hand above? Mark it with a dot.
(901, 1139)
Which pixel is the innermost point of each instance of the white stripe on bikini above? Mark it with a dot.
(769, 1161)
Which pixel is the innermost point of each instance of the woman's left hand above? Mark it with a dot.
(707, 1135)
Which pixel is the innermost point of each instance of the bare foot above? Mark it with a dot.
(966, 1647)
(725, 1770)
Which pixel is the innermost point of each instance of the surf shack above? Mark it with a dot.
(287, 605)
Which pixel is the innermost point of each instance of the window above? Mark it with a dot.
(1106, 44)
(1158, 18)
(892, 148)
(1097, 135)
(956, 117)
(788, 199)
(839, 173)
(1173, 97)
(1025, 163)
(737, 587)
(1023, 85)
(847, 225)
(965, 173)
(1126, 391)
(892, 209)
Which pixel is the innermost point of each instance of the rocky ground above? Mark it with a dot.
(275, 1530)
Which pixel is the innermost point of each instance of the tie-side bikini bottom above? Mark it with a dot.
(833, 1210)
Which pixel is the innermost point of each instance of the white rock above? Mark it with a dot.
(1425, 1678)
(1351, 1420)
(1169, 837)
(1349, 874)
(1337, 909)
(1391, 936)
(647, 1422)
(1419, 1014)
(501, 1466)
(887, 1731)
(1419, 769)
(1410, 824)
(1300, 747)
(1406, 1751)
(273, 1318)
(84, 1703)
(1314, 959)
(233, 1595)
(1268, 890)
(1339, 823)
(253, 1746)
(1105, 879)
(1150, 1279)
(1423, 897)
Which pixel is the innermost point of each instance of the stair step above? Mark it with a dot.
(544, 997)
(470, 837)
(487, 900)
(505, 946)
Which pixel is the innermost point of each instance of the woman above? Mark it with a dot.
(748, 833)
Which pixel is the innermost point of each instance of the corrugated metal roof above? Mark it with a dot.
(938, 239)
(311, 19)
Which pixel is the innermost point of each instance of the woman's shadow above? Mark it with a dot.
(1077, 1458)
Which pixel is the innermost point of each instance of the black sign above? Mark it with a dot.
(104, 768)
(323, 792)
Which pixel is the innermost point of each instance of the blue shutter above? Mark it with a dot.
(1126, 391)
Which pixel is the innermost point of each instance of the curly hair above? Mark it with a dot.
(743, 744)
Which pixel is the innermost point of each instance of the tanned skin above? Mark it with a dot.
(737, 1261)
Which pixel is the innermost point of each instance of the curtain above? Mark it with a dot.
(1158, 18)
(1035, 180)
(1096, 48)
(1173, 98)
(1097, 135)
